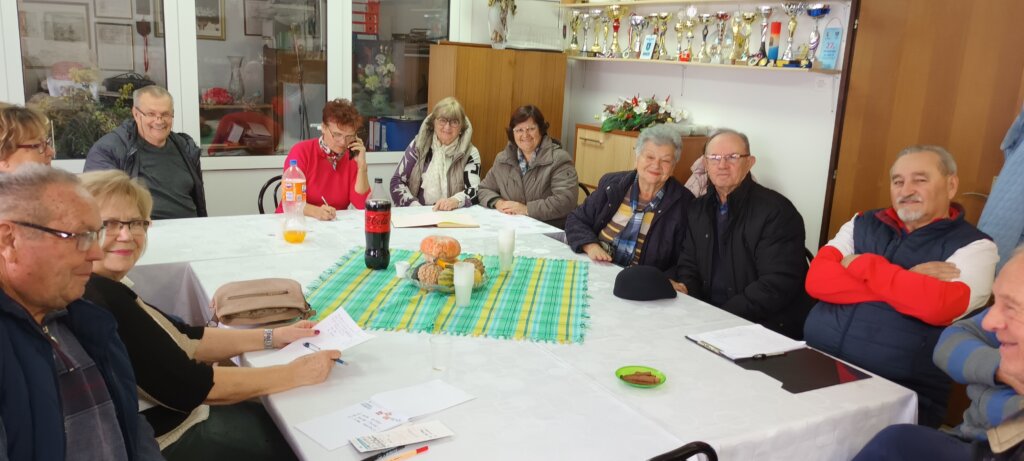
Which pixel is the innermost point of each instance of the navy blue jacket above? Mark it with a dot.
(30, 405)
(664, 239)
(875, 336)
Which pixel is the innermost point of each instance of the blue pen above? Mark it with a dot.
(314, 347)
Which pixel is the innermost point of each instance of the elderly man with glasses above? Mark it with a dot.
(145, 147)
(892, 278)
(67, 390)
(744, 250)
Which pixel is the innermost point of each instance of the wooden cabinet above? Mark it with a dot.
(598, 153)
(492, 83)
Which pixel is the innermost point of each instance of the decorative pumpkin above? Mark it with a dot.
(447, 278)
(428, 274)
(440, 247)
(478, 279)
(476, 262)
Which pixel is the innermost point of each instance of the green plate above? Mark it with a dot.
(630, 369)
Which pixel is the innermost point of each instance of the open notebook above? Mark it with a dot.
(745, 342)
(434, 219)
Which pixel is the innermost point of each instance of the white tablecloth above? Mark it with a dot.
(547, 401)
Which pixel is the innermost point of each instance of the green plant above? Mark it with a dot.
(78, 120)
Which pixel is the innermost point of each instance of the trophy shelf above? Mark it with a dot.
(573, 4)
(702, 64)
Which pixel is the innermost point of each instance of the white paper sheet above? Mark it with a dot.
(423, 399)
(746, 341)
(334, 430)
(404, 435)
(337, 331)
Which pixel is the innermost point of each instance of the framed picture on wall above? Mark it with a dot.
(55, 32)
(158, 18)
(254, 11)
(115, 47)
(114, 9)
(210, 19)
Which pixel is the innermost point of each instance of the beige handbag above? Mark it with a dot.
(260, 302)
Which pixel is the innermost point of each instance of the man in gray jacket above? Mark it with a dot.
(144, 147)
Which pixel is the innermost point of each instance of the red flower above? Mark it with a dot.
(635, 101)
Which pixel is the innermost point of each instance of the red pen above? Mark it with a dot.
(409, 454)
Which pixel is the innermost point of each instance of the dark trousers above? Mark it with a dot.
(240, 431)
(909, 442)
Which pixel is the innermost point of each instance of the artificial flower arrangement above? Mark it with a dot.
(376, 76)
(635, 114)
(507, 7)
(217, 95)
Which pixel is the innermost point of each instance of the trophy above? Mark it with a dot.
(716, 47)
(574, 24)
(792, 9)
(703, 55)
(743, 40)
(587, 23)
(637, 24)
(600, 47)
(615, 13)
(816, 11)
(662, 29)
(762, 54)
(737, 40)
(686, 25)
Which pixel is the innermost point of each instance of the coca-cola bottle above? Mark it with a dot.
(378, 227)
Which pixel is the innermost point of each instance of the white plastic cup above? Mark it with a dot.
(506, 248)
(463, 283)
(401, 269)
(440, 352)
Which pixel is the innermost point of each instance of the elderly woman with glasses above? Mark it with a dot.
(334, 164)
(441, 167)
(533, 176)
(197, 410)
(24, 138)
(639, 216)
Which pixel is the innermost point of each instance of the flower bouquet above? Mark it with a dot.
(216, 95)
(375, 79)
(635, 114)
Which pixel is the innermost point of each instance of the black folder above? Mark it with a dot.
(804, 370)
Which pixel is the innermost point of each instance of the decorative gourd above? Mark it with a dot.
(440, 247)
(476, 262)
(429, 273)
(447, 278)
(478, 279)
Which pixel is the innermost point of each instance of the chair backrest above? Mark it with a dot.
(276, 183)
(586, 191)
(686, 451)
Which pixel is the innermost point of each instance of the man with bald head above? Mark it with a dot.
(891, 279)
(67, 391)
(744, 248)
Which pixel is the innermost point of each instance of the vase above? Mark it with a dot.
(497, 18)
(235, 86)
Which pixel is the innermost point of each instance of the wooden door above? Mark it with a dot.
(944, 72)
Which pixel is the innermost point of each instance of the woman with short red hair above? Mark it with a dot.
(334, 163)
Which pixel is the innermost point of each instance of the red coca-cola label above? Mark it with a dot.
(378, 222)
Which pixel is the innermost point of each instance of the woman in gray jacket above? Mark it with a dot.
(533, 176)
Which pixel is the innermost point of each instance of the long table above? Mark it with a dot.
(540, 401)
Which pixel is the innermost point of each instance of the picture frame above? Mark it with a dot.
(648, 46)
(143, 7)
(210, 20)
(113, 9)
(158, 18)
(253, 10)
(115, 46)
(53, 32)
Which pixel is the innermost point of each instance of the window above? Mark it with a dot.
(82, 58)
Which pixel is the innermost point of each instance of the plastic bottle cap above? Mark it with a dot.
(293, 162)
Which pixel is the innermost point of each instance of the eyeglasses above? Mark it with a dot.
(137, 226)
(42, 147)
(731, 158)
(448, 121)
(154, 115)
(349, 138)
(525, 130)
(85, 240)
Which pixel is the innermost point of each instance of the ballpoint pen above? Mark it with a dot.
(325, 200)
(314, 347)
(409, 454)
(384, 454)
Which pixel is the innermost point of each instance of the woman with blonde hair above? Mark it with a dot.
(441, 167)
(24, 137)
(197, 410)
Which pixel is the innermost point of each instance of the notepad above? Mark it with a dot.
(748, 341)
(337, 331)
(434, 219)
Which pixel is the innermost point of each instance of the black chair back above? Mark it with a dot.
(274, 182)
(686, 451)
(586, 191)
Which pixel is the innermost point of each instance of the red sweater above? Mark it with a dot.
(338, 186)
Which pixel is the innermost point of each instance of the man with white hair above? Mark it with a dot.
(892, 279)
(145, 147)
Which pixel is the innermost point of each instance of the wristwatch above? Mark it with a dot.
(268, 338)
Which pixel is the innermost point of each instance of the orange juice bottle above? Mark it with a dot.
(294, 235)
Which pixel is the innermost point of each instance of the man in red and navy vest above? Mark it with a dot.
(892, 279)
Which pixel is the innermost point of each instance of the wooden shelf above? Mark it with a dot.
(701, 64)
(571, 4)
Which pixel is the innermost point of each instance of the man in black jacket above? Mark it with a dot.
(744, 249)
(145, 147)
